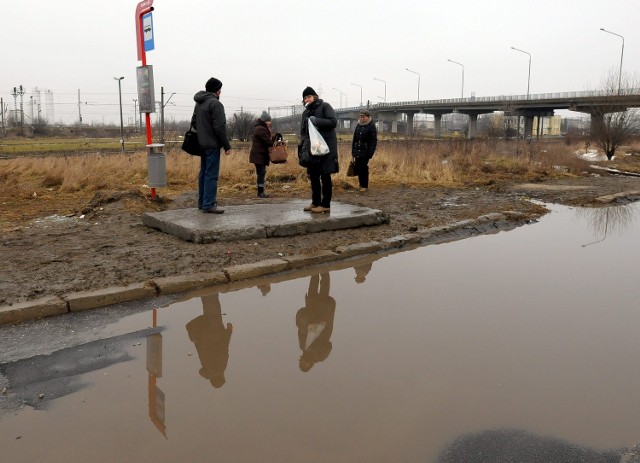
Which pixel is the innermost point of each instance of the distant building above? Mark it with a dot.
(549, 126)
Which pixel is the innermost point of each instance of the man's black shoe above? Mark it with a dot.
(213, 210)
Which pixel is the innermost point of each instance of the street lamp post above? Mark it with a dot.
(385, 87)
(358, 85)
(529, 76)
(461, 65)
(340, 92)
(418, 74)
(119, 79)
(621, 55)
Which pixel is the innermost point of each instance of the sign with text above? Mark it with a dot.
(146, 94)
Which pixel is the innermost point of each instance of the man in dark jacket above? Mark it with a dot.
(319, 168)
(365, 140)
(210, 123)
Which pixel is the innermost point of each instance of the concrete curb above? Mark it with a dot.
(30, 310)
(181, 283)
(85, 300)
(626, 196)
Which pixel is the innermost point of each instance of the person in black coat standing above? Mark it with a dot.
(319, 168)
(210, 122)
(259, 154)
(363, 147)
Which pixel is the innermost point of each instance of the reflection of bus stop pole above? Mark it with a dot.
(155, 395)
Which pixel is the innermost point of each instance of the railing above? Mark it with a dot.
(501, 98)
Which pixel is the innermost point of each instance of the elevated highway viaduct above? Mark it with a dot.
(596, 104)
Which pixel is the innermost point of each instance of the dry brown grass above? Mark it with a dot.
(63, 184)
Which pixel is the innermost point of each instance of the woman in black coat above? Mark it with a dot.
(363, 147)
(259, 154)
(319, 168)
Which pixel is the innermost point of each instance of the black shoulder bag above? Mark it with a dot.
(190, 144)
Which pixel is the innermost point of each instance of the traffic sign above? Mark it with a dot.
(147, 31)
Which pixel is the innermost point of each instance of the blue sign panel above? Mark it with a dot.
(147, 32)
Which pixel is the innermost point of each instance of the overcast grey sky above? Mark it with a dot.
(265, 52)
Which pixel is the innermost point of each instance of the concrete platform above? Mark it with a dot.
(262, 220)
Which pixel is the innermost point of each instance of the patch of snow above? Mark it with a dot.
(55, 218)
(591, 155)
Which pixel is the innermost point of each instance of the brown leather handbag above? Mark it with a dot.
(279, 152)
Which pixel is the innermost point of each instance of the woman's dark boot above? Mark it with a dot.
(261, 193)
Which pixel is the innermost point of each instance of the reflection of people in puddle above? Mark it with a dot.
(362, 271)
(315, 322)
(265, 288)
(211, 339)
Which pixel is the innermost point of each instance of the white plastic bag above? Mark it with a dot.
(319, 147)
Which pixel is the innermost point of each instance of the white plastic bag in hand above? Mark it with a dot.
(319, 147)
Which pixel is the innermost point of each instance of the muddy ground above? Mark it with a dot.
(105, 244)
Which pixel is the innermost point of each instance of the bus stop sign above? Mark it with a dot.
(147, 31)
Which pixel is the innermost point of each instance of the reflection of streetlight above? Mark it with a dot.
(358, 85)
(119, 79)
(340, 92)
(418, 74)
(529, 76)
(621, 54)
(385, 87)
(462, 65)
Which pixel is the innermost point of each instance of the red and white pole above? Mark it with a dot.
(143, 8)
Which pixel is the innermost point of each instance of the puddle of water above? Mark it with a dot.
(391, 360)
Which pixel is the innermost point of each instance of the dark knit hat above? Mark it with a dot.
(265, 117)
(364, 112)
(213, 85)
(308, 91)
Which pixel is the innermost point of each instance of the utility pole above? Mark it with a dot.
(15, 106)
(161, 114)
(4, 129)
(79, 111)
(162, 105)
(135, 114)
(119, 79)
(21, 93)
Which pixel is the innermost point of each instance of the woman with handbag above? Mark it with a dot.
(259, 154)
(363, 147)
(319, 168)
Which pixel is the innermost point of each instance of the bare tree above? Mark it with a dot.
(492, 126)
(613, 123)
(240, 125)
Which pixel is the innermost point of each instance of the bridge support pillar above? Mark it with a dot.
(410, 115)
(437, 125)
(473, 126)
(409, 129)
(597, 121)
(394, 126)
(528, 127)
